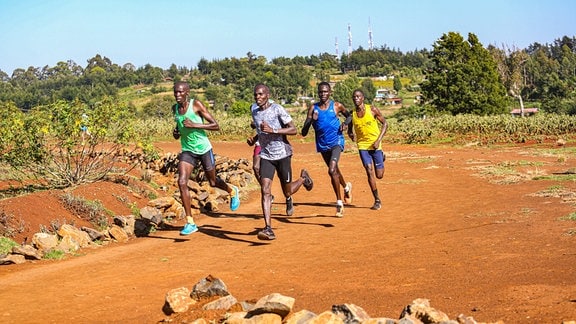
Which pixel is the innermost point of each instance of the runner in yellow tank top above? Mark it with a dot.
(369, 127)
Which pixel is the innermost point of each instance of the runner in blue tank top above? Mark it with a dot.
(329, 134)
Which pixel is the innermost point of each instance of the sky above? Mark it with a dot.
(42, 33)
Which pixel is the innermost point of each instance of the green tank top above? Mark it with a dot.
(192, 139)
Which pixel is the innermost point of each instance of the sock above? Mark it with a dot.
(346, 189)
(189, 219)
(339, 203)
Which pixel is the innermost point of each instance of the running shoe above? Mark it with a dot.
(308, 183)
(377, 205)
(289, 206)
(339, 211)
(267, 234)
(235, 200)
(348, 193)
(189, 229)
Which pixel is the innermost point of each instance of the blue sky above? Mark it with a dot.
(43, 32)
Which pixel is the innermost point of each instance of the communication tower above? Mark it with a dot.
(370, 43)
(336, 45)
(349, 40)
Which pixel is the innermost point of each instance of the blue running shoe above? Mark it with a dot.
(189, 229)
(235, 200)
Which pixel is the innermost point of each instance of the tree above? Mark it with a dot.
(464, 77)
(510, 64)
(45, 143)
(369, 90)
(342, 91)
(397, 83)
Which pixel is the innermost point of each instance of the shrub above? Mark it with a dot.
(6, 245)
(46, 143)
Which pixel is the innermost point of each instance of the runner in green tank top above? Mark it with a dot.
(192, 121)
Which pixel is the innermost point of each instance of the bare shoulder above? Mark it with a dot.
(199, 106)
(339, 106)
(375, 111)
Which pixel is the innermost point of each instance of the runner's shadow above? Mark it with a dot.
(165, 227)
(232, 215)
(324, 205)
(211, 230)
(292, 219)
(316, 204)
(218, 232)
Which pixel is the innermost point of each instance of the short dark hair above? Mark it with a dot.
(263, 86)
(324, 83)
(185, 84)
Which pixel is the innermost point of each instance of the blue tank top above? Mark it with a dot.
(327, 129)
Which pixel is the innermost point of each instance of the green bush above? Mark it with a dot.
(6, 245)
(46, 143)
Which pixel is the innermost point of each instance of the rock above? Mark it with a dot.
(176, 210)
(302, 317)
(273, 303)
(44, 241)
(382, 320)
(129, 224)
(420, 309)
(266, 318)
(68, 244)
(209, 287)
(350, 313)
(151, 214)
(13, 259)
(81, 238)
(236, 318)
(28, 251)
(118, 233)
(327, 317)
(221, 303)
(178, 300)
(93, 234)
(162, 202)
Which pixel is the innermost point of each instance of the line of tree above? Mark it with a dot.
(457, 76)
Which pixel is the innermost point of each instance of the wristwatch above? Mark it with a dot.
(275, 130)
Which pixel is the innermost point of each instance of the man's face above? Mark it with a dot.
(358, 98)
(261, 96)
(181, 93)
(324, 93)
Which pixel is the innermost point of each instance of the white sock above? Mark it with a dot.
(190, 219)
(339, 203)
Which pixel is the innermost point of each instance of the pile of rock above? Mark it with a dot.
(212, 294)
(204, 198)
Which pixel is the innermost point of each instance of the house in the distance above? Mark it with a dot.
(527, 112)
(388, 97)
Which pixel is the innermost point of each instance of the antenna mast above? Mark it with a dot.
(370, 43)
(349, 40)
(336, 45)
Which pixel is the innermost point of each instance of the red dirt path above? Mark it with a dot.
(470, 246)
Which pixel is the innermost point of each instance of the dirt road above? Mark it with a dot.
(452, 229)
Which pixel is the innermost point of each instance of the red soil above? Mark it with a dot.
(467, 243)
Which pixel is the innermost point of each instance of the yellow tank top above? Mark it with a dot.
(366, 129)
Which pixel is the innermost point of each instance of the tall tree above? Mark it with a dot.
(464, 78)
(510, 64)
(342, 91)
(397, 83)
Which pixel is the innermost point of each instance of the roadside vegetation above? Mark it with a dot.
(459, 92)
